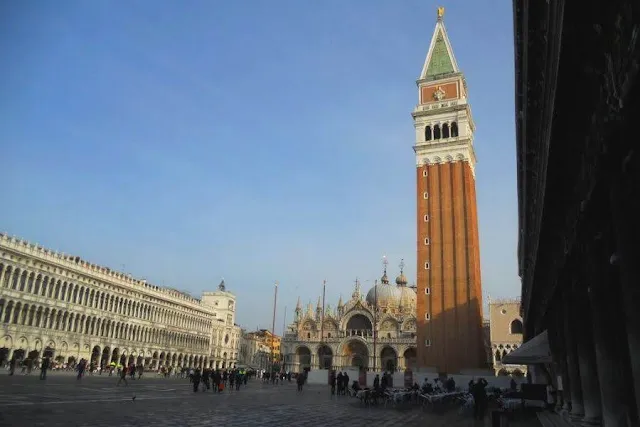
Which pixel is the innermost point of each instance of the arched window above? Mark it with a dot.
(445, 130)
(454, 129)
(436, 132)
(498, 356)
(427, 133)
(516, 327)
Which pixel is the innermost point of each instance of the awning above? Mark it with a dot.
(534, 351)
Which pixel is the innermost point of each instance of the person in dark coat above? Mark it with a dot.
(43, 368)
(480, 399)
(196, 380)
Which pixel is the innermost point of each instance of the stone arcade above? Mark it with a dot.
(577, 110)
(61, 306)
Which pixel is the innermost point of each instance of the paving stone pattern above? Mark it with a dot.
(95, 401)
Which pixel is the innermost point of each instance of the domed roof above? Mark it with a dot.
(401, 280)
(408, 299)
(388, 296)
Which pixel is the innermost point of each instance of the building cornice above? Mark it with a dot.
(456, 150)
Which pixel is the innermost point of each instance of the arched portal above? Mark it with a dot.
(389, 359)
(131, 360)
(104, 360)
(115, 355)
(325, 357)
(503, 373)
(356, 354)
(359, 325)
(303, 356)
(95, 354)
(410, 358)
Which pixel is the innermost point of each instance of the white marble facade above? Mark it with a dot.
(58, 305)
(347, 338)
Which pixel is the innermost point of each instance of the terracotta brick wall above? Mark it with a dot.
(453, 277)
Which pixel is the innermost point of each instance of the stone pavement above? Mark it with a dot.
(95, 401)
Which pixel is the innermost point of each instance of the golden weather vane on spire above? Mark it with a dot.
(440, 13)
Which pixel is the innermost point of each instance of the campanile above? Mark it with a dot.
(449, 310)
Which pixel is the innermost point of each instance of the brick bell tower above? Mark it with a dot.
(449, 310)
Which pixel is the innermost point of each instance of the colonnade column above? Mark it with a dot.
(586, 353)
(577, 406)
(625, 209)
(604, 296)
(557, 344)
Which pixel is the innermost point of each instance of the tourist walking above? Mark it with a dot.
(123, 377)
(43, 368)
(196, 380)
(12, 365)
(300, 381)
(81, 367)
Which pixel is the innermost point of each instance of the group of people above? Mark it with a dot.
(219, 379)
(339, 382)
(123, 371)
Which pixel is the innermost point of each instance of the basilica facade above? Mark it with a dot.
(372, 333)
(63, 307)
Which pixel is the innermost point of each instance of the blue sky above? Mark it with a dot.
(255, 140)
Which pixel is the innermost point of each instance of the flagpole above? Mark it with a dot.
(375, 319)
(284, 321)
(284, 326)
(375, 313)
(324, 286)
(273, 323)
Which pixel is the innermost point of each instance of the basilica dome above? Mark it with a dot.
(388, 296)
(401, 280)
(408, 300)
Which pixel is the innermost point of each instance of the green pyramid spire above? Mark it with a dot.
(440, 61)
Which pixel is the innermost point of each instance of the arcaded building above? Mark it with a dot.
(577, 93)
(449, 290)
(66, 308)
